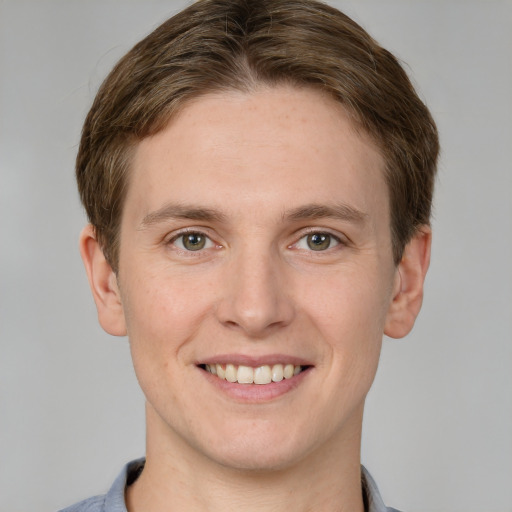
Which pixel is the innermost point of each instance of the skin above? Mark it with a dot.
(245, 170)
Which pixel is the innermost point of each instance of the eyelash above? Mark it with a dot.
(209, 243)
(338, 241)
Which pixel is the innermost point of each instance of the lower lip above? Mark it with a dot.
(256, 393)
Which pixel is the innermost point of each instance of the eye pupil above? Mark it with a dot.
(319, 241)
(194, 241)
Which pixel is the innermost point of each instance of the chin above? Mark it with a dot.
(256, 460)
(253, 453)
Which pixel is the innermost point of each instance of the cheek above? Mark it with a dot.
(160, 300)
(350, 304)
(162, 315)
(350, 316)
(165, 311)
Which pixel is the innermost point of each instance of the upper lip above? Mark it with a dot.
(254, 361)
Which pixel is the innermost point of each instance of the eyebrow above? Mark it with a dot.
(180, 211)
(307, 212)
(339, 211)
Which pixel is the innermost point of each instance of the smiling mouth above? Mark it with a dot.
(265, 374)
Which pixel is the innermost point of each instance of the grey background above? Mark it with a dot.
(438, 426)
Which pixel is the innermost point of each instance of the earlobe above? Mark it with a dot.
(408, 288)
(103, 283)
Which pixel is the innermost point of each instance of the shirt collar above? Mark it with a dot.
(371, 495)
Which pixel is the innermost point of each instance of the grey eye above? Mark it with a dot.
(193, 241)
(319, 241)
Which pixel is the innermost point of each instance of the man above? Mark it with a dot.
(258, 178)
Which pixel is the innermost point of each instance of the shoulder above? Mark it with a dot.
(113, 501)
(94, 504)
(371, 495)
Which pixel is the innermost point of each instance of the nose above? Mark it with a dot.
(256, 298)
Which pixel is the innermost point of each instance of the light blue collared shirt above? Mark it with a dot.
(114, 501)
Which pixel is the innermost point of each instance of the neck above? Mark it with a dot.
(176, 477)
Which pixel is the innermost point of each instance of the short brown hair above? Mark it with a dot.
(216, 45)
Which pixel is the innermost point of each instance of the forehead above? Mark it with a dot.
(279, 146)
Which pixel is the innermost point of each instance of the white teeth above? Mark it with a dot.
(220, 371)
(260, 375)
(277, 373)
(288, 371)
(245, 375)
(231, 373)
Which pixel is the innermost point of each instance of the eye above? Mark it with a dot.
(317, 242)
(192, 241)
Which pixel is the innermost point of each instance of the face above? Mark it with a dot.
(256, 276)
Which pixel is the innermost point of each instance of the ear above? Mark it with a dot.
(408, 288)
(103, 283)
